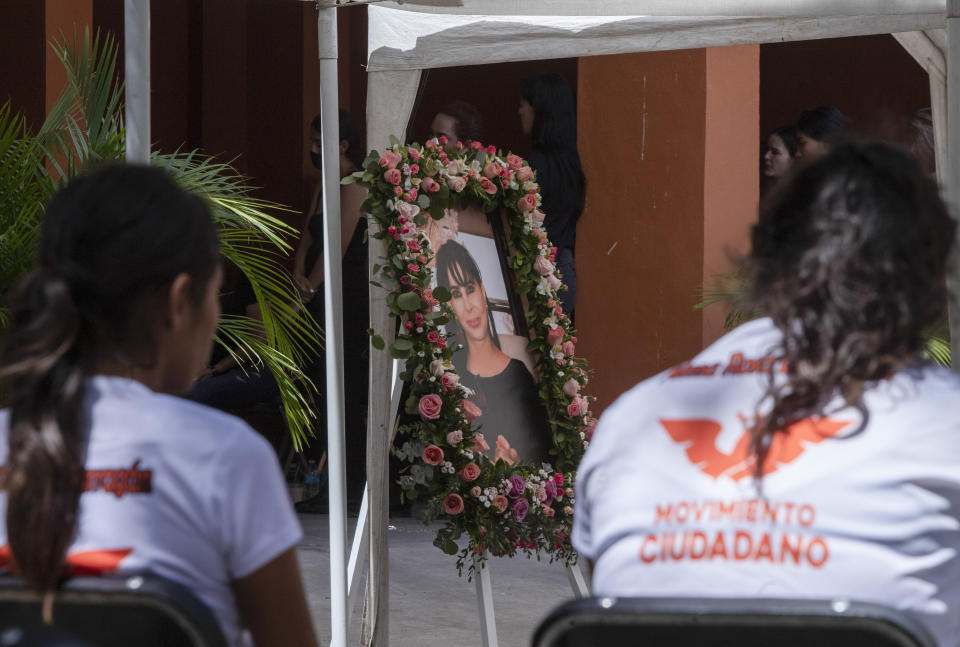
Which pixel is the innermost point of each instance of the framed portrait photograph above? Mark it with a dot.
(489, 333)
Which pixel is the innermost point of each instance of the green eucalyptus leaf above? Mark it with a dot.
(409, 301)
(441, 294)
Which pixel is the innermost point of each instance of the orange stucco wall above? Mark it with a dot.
(668, 141)
(62, 18)
(731, 186)
(639, 241)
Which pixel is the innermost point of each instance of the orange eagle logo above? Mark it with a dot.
(699, 436)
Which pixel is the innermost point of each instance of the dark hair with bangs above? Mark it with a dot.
(456, 263)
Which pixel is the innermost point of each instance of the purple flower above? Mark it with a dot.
(516, 486)
(551, 489)
(520, 507)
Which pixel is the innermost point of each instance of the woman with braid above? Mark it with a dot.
(813, 453)
(105, 469)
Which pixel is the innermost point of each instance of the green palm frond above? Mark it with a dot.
(88, 115)
(729, 290)
(937, 346)
(24, 189)
(240, 334)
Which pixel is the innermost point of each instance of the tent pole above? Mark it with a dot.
(333, 322)
(136, 56)
(953, 153)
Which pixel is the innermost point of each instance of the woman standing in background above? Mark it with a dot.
(548, 114)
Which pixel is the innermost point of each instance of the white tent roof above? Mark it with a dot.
(424, 36)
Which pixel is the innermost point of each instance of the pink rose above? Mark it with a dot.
(475, 491)
(470, 411)
(389, 159)
(411, 195)
(480, 443)
(553, 282)
(577, 407)
(488, 186)
(555, 336)
(569, 348)
(492, 150)
(476, 145)
(491, 170)
(558, 478)
(538, 215)
(430, 185)
(453, 504)
(514, 162)
(432, 455)
(540, 494)
(527, 202)
(436, 368)
(470, 472)
(414, 153)
(454, 437)
(393, 176)
(456, 184)
(397, 191)
(524, 173)
(590, 428)
(429, 406)
(414, 169)
(571, 387)
(499, 502)
(548, 512)
(450, 380)
(453, 168)
(543, 266)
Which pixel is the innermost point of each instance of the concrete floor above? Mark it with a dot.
(430, 606)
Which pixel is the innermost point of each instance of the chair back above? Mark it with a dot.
(143, 610)
(729, 622)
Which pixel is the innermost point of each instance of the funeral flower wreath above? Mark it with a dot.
(499, 508)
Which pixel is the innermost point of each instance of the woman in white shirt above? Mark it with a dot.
(813, 453)
(105, 469)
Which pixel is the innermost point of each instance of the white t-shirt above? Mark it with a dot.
(666, 504)
(178, 489)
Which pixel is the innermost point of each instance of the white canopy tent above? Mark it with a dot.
(422, 34)
(404, 40)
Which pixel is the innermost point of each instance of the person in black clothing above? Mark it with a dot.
(504, 389)
(820, 130)
(548, 114)
(308, 275)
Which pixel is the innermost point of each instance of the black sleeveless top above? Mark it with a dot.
(511, 407)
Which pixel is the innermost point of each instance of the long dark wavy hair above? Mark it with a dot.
(111, 244)
(849, 260)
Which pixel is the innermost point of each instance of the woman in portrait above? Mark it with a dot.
(490, 364)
